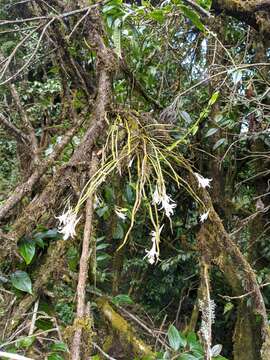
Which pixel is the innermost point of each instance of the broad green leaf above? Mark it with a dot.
(39, 242)
(102, 211)
(193, 17)
(99, 239)
(27, 249)
(59, 346)
(51, 234)
(48, 234)
(102, 257)
(21, 281)
(118, 232)
(194, 345)
(95, 357)
(102, 246)
(186, 117)
(122, 299)
(175, 339)
(211, 131)
(191, 338)
(216, 350)
(219, 143)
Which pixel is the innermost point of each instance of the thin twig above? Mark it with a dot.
(227, 297)
(37, 18)
(103, 352)
(13, 356)
(30, 58)
(34, 317)
(200, 9)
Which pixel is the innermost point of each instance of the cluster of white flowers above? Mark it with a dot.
(67, 223)
(160, 197)
(203, 182)
(152, 255)
(167, 204)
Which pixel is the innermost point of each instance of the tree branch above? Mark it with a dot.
(83, 271)
(13, 131)
(25, 188)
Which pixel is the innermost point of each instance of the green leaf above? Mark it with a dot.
(157, 15)
(47, 234)
(192, 338)
(102, 257)
(102, 211)
(228, 307)
(213, 98)
(21, 281)
(118, 232)
(44, 324)
(216, 350)
(186, 117)
(95, 357)
(188, 357)
(219, 143)
(25, 342)
(55, 356)
(175, 340)
(211, 132)
(102, 246)
(109, 194)
(73, 258)
(59, 346)
(205, 4)
(27, 249)
(129, 195)
(122, 299)
(193, 17)
(39, 242)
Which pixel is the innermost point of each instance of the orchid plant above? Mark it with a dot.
(145, 156)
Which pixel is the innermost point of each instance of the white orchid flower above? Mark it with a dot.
(67, 223)
(167, 203)
(152, 255)
(204, 216)
(203, 182)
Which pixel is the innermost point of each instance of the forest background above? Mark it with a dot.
(134, 179)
